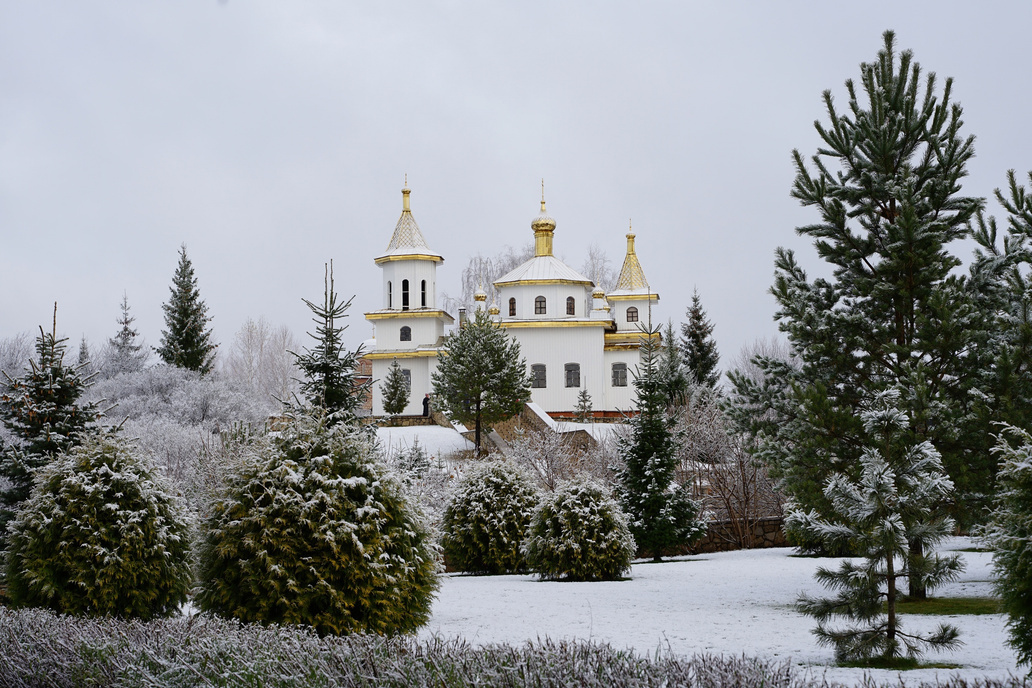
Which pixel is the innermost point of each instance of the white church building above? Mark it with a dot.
(573, 335)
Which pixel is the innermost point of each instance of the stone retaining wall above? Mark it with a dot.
(722, 536)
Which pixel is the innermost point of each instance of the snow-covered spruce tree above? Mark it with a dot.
(676, 385)
(125, 354)
(582, 410)
(885, 184)
(579, 533)
(1009, 533)
(44, 415)
(395, 390)
(698, 348)
(186, 339)
(487, 519)
(661, 513)
(481, 378)
(329, 368)
(315, 533)
(895, 502)
(101, 535)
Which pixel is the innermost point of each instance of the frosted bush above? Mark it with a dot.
(487, 518)
(314, 532)
(100, 535)
(579, 533)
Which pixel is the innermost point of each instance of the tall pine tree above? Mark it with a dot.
(481, 377)
(329, 368)
(886, 186)
(42, 411)
(698, 347)
(661, 514)
(125, 355)
(186, 339)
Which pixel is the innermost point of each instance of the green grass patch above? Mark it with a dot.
(949, 606)
(897, 664)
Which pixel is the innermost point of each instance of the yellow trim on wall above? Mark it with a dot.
(379, 355)
(629, 337)
(417, 313)
(632, 297)
(408, 256)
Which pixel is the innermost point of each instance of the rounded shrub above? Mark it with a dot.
(314, 532)
(487, 518)
(579, 533)
(100, 535)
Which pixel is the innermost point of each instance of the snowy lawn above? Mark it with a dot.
(729, 603)
(438, 442)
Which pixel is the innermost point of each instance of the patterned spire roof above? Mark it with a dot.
(407, 239)
(632, 277)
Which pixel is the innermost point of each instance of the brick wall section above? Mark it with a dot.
(406, 421)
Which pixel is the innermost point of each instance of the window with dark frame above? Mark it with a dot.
(619, 375)
(406, 334)
(571, 306)
(573, 374)
(539, 306)
(404, 295)
(407, 374)
(512, 308)
(537, 376)
(422, 294)
(389, 295)
(632, 314)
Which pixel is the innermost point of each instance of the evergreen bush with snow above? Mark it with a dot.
(315, 533)
(100, 535)
(579, 533)
(487, 519)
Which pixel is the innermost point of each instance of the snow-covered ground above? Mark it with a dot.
(438, 442)
(729, 603)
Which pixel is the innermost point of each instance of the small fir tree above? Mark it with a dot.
(894, 502)
(661, 512)
(579, 533)
(125, 354)
(84, 363)
(101, 535)
(1009, 533)
(329, 369)
(583, 407)
(487, 518)
(43, 413)
(481, 378)
(314, 532)
(395, 390)
(698, 348)
(672, 370)
(186, 339)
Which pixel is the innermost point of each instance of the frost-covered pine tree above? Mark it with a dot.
(672, 369)
(125, 354)
(100, 535)
(1009, 533)
(582, 410)
(313, 531)
(579, 533)
(896, 501)
(186, 339)
(487, 519)
(44, 414)
(329, 368)
(698, 348)
(661, 513)
(395, 390)
(481, 377)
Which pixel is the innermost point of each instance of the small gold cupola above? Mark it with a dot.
(544, 227)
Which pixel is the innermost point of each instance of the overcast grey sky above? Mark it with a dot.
(271, 137)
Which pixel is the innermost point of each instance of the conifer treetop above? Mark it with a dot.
(185, 341)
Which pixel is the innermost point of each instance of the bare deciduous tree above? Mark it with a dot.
(259, 359)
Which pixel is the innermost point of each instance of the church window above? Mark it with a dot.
(619, 375)
(422, 295)
(539, 306)
(407, 374)
(573, 374)
(632, 314)
(537, 376)
(512, 308)
(404, 295)
(406, 334)
(571, 306)
(389, 295)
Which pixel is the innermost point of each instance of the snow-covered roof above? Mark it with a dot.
(543, 268)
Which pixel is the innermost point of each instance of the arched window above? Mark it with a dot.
(512, 308)
(389, 295)
(632, 314)
(537, 376)
(422, 294)
(406, 334)
(539, 305)
(407, 374)
(571, 306)
(404, 295)
(619, 375)
(573, 374)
